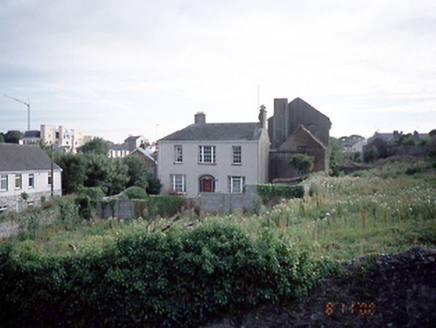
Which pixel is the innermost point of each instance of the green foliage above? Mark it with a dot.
(182, 278)
(137, 171)
(337, 155)
(97, 146)
(2, 137)
(134, 193)
(73, 171)
(154, 185)
(271, 193)
(13, 136)
(371, 154)
(301, 162)
(69, 212)
(24, 195)
(163, 205)
(87, 199)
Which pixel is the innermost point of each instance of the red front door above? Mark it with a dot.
(207, 184)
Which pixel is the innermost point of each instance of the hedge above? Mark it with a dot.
(270, 193)
(180, 278)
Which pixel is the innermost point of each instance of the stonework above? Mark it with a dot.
(296, 128)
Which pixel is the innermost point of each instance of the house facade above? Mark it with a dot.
(26, 177)
(214, 157)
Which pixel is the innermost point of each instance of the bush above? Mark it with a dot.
(183, 278)
(134, 193)
(301, 162)
(270, 193)
(87, 199)
(163, 205)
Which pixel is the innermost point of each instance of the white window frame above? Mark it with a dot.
(19, 179)
(207, 155)
(4, 182)
(178, 154)
(236, 155)
(178, 183)
(236, 184)
(31, 179)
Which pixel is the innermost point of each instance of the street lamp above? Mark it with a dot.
(28, 109)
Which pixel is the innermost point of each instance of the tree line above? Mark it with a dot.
(92, 167)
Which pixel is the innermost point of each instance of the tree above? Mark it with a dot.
(13, 136)
(137, 172)
(2, 137)
(97, 146)
(154, 185)
(73, 171)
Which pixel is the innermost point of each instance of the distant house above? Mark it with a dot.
(129, 145)
(297, 127)
(214, 157)
(118, 151)
(353, 146)
(25, 176)
(31, 137)
(382, 145)
(147, 156)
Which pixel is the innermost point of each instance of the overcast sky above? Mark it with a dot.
(114, 68)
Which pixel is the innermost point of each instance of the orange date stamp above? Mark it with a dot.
(351, 308)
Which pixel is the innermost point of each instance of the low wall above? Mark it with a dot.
(122, 209)
(210, 202)
(217, 202)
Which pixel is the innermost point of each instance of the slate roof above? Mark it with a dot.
(146, 153)
(32, 134)
(15, 157)
(217, 132)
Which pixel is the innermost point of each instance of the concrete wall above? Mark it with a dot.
(217, 202)
(210, 202)
(254, 164)
(122, 209)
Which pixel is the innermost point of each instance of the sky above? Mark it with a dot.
(118, 68)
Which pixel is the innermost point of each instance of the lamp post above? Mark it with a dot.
(28, 109)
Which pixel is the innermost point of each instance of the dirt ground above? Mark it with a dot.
(396, 290)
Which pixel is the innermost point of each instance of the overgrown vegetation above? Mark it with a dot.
(187, 270)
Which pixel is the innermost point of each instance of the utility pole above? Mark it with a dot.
(28, 109)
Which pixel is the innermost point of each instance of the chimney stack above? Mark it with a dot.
(200, 118)
(263, 117)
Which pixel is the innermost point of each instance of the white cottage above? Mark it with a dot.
(26, 177)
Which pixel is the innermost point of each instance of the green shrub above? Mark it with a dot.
(135, 192)
(301, 162)
(163, 205)
(183, 278)
(87, 199)
(270, 193)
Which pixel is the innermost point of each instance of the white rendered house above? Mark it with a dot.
(26, 177)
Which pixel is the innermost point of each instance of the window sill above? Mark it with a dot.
(236, 164)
